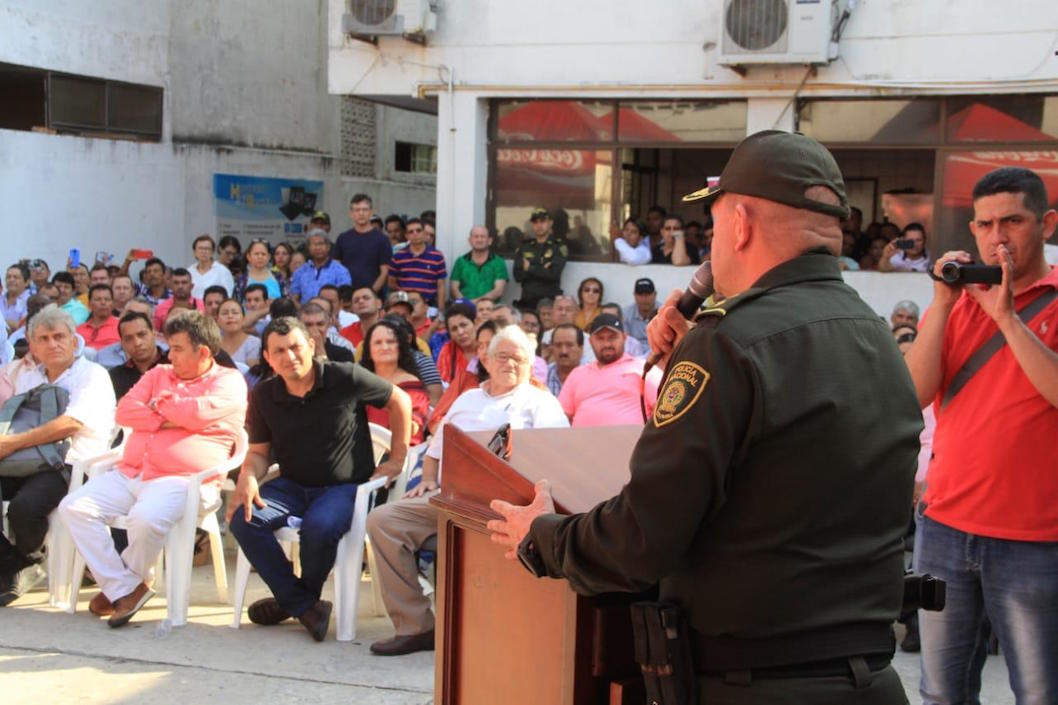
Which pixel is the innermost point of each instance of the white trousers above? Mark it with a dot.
(151, 508)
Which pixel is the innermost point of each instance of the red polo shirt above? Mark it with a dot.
(104, 335)
(995, 452)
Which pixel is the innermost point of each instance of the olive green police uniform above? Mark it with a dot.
(769, 495)
(538, 268)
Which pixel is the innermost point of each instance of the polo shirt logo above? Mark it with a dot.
(685, 383)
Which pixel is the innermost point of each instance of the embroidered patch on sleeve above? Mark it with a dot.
(685, 383)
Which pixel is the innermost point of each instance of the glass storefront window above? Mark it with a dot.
(575, 185)
(962, 169)
(681, 121)
(1003, 118)
(554, 121)
(915, 121)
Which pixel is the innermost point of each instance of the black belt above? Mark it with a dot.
(813, 669)
(836, 643)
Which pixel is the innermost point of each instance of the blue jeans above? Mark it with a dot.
(326, 513)
(1014, 584)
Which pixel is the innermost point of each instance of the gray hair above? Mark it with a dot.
(513, 314)
(906, 305)
(317, 232)
(50, 317)
(515, 335)
(567, 297)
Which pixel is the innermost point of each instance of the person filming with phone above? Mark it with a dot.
(986, 357)
(906, 253)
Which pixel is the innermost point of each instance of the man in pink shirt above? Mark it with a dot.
(610, 391)
(185, 417)
(101, 328)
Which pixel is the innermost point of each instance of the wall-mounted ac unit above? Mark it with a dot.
(776, 31)
(373, 18)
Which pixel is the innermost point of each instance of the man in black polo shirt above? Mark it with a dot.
(310, 416)
(141, 352)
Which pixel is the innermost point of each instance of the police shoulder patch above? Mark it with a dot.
(685, 383)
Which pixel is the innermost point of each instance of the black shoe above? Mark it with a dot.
(317, 619)
(22, 582)
(267, 612)
(406, 644)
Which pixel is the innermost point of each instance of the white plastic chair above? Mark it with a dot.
(180, 545)
(348, 565)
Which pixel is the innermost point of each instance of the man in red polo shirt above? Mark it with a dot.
(101, 328)
(990, 524)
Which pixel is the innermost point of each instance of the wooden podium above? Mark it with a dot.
(504, 636)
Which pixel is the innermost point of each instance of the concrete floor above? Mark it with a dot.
(47, 656)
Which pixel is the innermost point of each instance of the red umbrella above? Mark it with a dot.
(983, 123)
(557, 120)
(633, 126)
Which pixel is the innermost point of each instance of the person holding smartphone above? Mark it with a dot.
(907, 253)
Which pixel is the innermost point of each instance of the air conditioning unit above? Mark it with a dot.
(373, 18)
(776, 31)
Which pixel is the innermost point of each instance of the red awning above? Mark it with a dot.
(555, 120)
(962, 170)
(633, 126)
(983, 123)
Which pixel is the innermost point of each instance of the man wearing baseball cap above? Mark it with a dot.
(609, 391)
(538, 262)
(639, 314)
(771, 489)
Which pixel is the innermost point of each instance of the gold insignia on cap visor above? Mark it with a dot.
(701, 194)
(683, 386)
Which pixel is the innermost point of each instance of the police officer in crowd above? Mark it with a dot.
(538, 262)
(771, 490)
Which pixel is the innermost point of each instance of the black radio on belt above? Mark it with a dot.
(923, 592)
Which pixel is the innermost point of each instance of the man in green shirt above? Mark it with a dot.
(479, 274)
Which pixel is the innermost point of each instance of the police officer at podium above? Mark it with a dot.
(771, 489)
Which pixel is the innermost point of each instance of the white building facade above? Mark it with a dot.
(194, 88)
(598, 110)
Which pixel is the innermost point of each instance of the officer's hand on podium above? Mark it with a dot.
(516, 521)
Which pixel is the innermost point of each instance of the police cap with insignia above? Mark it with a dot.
(540, 214)
(779, 166)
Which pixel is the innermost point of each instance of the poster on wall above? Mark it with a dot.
(264, 207)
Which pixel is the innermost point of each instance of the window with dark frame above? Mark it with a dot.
(413, 158)
(40, 100)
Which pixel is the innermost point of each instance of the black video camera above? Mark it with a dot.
(958, 273)
(923, 592)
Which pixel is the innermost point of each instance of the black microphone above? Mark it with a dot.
(698, 290)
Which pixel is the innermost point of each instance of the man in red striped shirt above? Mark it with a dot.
(419, 267)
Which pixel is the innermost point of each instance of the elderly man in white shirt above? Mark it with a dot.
(87, 422)
(399, 529)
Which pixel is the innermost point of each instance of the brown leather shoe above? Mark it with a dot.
(101, 606)
(317, 619)
(404, 644)
(125, 607)
(267, 612)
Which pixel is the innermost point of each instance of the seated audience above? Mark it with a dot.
(310, 419)
(142, 352)
(124, 291)
(504, 315)
(638, 315)
(322, 269)
(470, 377)
(152, 286)
(483, 311)
(235, 341)
(420, 316)
(419, 267)
(567, 348)
(333, 337)
(564, 310)
(388, 355)
(398, 529)
(672, 247)
(461, 346)
(185, 417)
(16, 294)
(80, 282)
(297, 261)
(98, 275)
(904, 313)
(206, 272)
(875, 252)
(366, 306)
(258, 271)
(912, 258)
(333, 294)
(212, 299)
(114, 354)
(101, 328)
(281, 256)
(256, 302)
(181, 298)
(632, 346)
(85, 423)
(609, 391)
(317, 322)
(64, 285)
(544, 311)
(631, 245)
(589, 297)
(229, 251)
